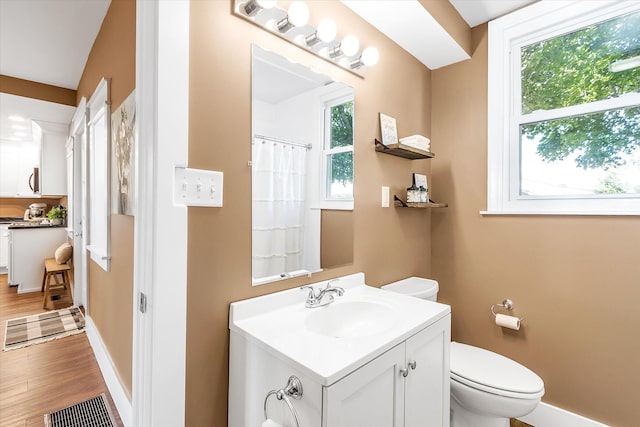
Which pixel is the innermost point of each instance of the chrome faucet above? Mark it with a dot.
(318, 300)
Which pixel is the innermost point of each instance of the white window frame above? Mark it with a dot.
(325, 201)
(99, 109)
(540, 21)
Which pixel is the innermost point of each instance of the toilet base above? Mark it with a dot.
(460, 417)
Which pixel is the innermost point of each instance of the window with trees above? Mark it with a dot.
(564, 109)
(338, 150)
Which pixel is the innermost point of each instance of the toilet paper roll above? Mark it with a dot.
(508, 321)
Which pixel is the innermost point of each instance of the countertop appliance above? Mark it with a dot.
(36, 211)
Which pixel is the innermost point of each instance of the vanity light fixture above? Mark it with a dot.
(252, 7)
(293, 25)
(348, 47)
(326, 33)
(297, 16)
(369, 58)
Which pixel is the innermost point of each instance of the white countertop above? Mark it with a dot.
(276, 322)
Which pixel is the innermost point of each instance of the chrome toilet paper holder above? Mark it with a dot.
(507, 304)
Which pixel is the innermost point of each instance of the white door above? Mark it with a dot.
(372, 396)
(79, 206)
(427, 381)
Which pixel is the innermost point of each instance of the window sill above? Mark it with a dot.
(346, 205)
(533, 212)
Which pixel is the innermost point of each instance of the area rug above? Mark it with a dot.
(94, 412)
(43, 327)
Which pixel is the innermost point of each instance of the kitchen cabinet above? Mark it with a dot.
(17, 160)
(52, 139)
(28, 248)
(379, 393)
(4, 247)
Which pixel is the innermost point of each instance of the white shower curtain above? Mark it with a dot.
(278, 192)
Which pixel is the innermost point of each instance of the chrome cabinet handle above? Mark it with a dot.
(411, 365)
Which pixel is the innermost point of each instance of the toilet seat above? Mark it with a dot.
(493, 373)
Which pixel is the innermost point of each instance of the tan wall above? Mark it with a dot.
(449, 18)
(574, 279)
(113, 54)
(389, 243)
(336, 238)
(35, 90)
(111, 293)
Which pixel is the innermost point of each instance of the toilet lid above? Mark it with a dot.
(485, 370)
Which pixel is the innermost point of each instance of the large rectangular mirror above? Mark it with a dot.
(302, 169)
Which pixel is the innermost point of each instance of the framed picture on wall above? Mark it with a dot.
(420, 180)
(388, 129)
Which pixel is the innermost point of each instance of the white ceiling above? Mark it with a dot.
(28, 109)
(410, 25)
(477, 12)
(48, 41)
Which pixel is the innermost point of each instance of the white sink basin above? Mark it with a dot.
(326, 343)
(351, 319)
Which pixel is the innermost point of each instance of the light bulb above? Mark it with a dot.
(266, 4)
(298, 14)
(327, 30)
(252, 7)
(350, 46)
(370, 56)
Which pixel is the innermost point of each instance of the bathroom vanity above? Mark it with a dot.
(370, 358)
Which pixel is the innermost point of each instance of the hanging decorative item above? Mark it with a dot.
(123, 148)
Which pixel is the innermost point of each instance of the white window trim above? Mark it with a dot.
(99, 107)
(537, 22)
(329, 101)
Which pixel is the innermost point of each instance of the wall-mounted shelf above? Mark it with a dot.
(402, 150)
(399, 203)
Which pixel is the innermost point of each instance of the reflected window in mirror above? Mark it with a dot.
(302, 169)
(337, 156)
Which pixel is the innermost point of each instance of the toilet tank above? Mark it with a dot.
(416, 287)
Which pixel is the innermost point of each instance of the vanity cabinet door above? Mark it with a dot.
(427, 385)
(372, 396)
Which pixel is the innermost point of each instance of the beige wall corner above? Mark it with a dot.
(336, 238)
(111, 293)
(574, 279)
(447, 16)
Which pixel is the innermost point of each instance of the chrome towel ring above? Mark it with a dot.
(292, 389)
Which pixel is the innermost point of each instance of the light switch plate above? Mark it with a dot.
(197, 187)
(385, 196)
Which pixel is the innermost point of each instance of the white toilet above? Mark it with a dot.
(487, 389)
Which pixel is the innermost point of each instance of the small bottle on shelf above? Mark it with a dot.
(424, 195)
(413, 194)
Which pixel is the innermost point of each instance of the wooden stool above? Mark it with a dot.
(52, 270)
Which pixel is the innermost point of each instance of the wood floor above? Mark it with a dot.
(45, 377)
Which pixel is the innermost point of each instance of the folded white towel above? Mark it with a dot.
(270, 423)
(417, 141)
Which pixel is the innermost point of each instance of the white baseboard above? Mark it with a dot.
(549, 415)
(105, 363)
